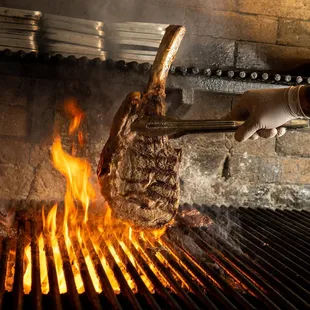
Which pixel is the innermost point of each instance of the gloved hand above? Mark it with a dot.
(265, 111)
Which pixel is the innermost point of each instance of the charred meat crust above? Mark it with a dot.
(138, 175)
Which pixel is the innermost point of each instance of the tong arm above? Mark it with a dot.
(174, 128)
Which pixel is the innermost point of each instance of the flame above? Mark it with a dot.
(50, 223)
(75, 113)
(74, 227)
(77, 172)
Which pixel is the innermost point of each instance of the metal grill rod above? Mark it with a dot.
(262, 231)
(87, 281)
(3, 266)
(117, 272)
(36, 291)
(212, 288)
(69, 277)
(51, 271)
(133, 272)
(168, 276)
(270, 273)
(160, 289)
(218, 257)
(234, 295)
(194, 287)
(286, 231)
(104, 281)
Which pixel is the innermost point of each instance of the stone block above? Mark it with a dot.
(209, 106)
(48, 183)
(258, 147)
(271, 57)
(201, 143)
(199, 170)
(101, 111)
(299, 9)
(13, 121)
(294, 144)
(231, 25)
(143, 11)
(15, 90)
(43, 105)
(224, 5)
(282, 170)
(254, 169)
(14, 151)
(201, 51)
(294, 32)
(15, 181)
(295, 170)
(39, 154)
(238, 194)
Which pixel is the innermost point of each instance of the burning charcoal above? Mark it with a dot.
(127, 172)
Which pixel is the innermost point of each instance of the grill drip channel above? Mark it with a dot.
(244, 259)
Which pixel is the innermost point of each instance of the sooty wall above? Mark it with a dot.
(215, 168)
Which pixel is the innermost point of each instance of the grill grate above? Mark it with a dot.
(245, 259)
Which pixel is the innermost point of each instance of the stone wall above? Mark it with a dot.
(215, 168)
(262, 34)
(265, 35)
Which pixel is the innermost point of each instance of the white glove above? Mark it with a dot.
(265, 111)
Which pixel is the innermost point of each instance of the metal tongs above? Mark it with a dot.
(174, 128)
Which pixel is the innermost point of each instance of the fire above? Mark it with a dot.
(75, 113)
(77, 172)
(74, 225)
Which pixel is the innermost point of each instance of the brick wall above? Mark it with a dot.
(262, 34)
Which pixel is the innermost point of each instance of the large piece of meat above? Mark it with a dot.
(139, 175)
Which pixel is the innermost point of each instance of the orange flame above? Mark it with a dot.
(79, 190)
(75, 113)
(77, 172)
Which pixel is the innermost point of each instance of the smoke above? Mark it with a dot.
(226, 228)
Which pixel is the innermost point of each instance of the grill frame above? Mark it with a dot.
(248, 246)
